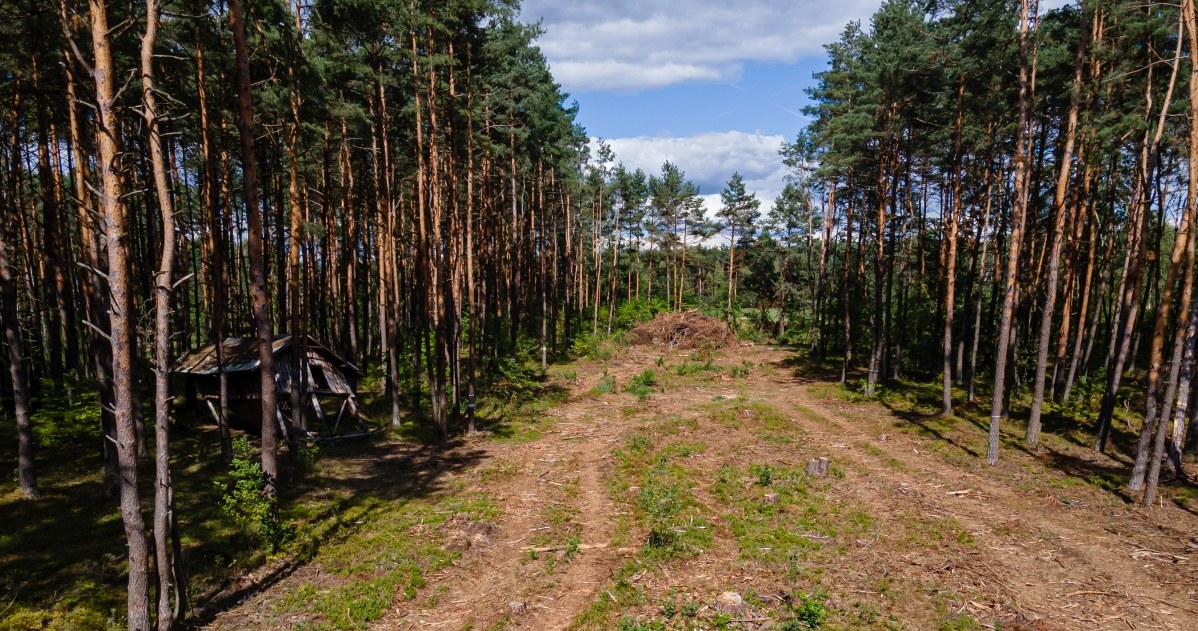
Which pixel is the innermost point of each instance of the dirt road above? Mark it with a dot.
(677, 499)
(951, 540)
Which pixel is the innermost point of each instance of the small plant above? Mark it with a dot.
(764, 473)
(245, 502)
(607, 385)
(643, 384)
(669, 608)
(306, 454)
(638, 443)
(808, 610)
(811, 611)
(646, 378)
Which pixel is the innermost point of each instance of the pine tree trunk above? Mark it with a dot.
(878, 317)
(1060, 217)
(846, 290)
(1137, 253)
(1149, 465)
(1019, 212)
(983, 249)
(216, 265)
(53, 280)
(113, 211)
(295, 208)
(258, 286)
(950, 255)
(169, 566)
(26, 478)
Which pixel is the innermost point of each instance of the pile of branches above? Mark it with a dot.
(688, 329)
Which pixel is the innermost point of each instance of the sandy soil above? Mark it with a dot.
(1027, 544)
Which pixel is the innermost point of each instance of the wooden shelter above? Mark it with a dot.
(325, 382)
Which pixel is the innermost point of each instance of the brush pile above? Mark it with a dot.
(688, 329)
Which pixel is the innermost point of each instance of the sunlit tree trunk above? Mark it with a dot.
(1019, 214)
(258, 287)
(112, 209)
(171, 585)
(1060, 217)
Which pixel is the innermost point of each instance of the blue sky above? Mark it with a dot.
(715, 86)
(767, 99)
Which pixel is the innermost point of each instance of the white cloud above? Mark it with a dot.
(636, 45)
(710, 159)
(644, 44)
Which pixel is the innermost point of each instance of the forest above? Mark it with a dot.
(991, 207)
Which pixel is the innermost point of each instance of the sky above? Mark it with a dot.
(714, 86)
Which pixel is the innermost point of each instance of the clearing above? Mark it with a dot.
(664, 478)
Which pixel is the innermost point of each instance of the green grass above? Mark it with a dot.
(774, 513)
(643, 384)
(606, 385)
(658, 489)
(392, 547)
(62, 557)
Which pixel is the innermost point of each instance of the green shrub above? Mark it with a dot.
(57, 422)
(764, 473)
(643, 384)
(688, 367)
(632, 312)
(809, 612)
(606, 385)
(244, 501)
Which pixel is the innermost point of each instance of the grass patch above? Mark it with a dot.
(777, 517)
(643, 384)
(606, 385)
(390, 551)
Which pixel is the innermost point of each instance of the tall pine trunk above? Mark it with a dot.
(18, 371)
(254, 238)
(1060, 215)
(171, 586)
(1019, 215)
(113, 210)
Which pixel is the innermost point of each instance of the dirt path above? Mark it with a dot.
(1086, 561)
(914, 531)
(549, 554)
(1038, 549)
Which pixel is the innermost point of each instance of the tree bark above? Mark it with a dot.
(1149, 465)
(216, 265)
(169, 566)
(113, 211)
(1060, 216)
(1136, 255)
(18, 371)
(254, 238)
(1019, 212)
(950, 254)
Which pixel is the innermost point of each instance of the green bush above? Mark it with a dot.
(809, 612)
(607, 385)
(632, 312)
(244, 501)
(516, 379)
(643, 384)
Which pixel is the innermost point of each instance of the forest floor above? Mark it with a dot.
(636, 500)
